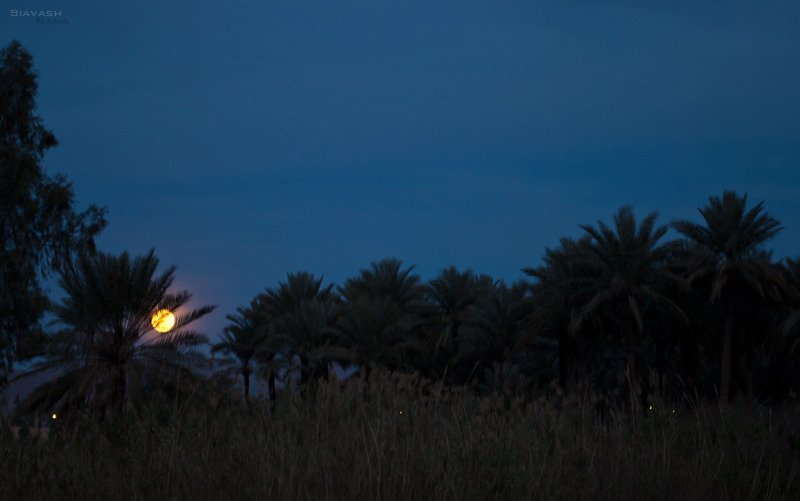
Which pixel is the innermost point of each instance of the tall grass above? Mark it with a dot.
(412, 440)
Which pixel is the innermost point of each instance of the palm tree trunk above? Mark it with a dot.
(582, 370)
(563, 374)
(367, 374)
(634, 382)
(271, 385)
(89, 348)
(748, 356)
(690, 354)
(304, 371)
(456, 325)
(246, 376)
(661, 369)
(725, 365)
(581, 383)
(120, 389)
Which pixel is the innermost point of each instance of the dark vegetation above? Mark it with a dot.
(39, 229)
(414, 439)
(625, 365)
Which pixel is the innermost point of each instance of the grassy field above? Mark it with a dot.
(412, 440)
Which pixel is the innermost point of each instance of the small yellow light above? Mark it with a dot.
(651, 407)
(54, 416)
(401, 412)
(673, 410)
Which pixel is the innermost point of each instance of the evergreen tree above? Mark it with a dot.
(39, 228)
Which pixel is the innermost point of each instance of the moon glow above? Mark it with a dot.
(163, 320)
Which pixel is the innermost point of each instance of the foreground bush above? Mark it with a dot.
(411, 440)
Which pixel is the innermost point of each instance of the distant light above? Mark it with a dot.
(54, 416)
(651, 407)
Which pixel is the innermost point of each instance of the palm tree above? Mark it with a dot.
(303, 315)
(789, 354)
(386, 280)
(671, 332)
(759, 323)
(554, 299)
(371, 331)
(317, 318)
(500, 331)
(730, 241)
(107, 355)
(245, 339)
(792, 321)
(454, 292)
(624, 266)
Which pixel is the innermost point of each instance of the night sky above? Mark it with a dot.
(244, 142)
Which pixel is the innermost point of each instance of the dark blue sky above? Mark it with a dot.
(244, 142)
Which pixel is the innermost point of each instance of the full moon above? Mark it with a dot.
(163, 320)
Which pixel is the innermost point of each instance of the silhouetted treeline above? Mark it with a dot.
(620, 312)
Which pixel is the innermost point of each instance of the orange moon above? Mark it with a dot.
(163, 320)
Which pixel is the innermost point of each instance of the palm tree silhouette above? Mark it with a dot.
(303, 315)
(107, 354)
(371, 332)
(791, 322)
(555, 297)
(386, 280)
(759, 324)
(729, 242)
(244, 340)
(500, 334)
(454, 293)
(624, 264)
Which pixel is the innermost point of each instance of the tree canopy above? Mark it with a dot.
(106, 353)
(39, 227)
